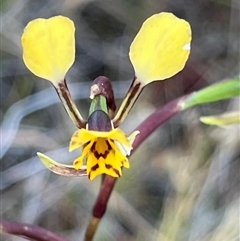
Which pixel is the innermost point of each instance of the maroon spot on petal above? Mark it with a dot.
(95, 167)
(97, 154)
(93, 147)
(116, 171)
(108, 145)
(108, 166)
(87, 143)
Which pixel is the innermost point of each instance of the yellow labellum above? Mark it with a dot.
(161, 47)
(105, 152)
(49, 47)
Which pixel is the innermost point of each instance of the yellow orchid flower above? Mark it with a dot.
(159, 51)
(49, 47)
(105, 152)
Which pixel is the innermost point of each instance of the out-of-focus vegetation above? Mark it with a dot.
(183, 183)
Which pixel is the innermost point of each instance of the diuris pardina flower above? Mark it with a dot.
(105, 151)
(159, 51)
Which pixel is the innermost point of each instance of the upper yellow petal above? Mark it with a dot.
(78, 140)
(82, 136)
(161, 47)
(105, 152)
(49, 47)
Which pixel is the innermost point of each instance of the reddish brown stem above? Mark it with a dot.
(148, 126)
(103, 197)
(28, 231)
(100, 206)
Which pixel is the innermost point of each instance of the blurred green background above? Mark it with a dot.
(183, 183)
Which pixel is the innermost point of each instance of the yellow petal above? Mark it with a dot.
(161, 47)
(79, 138)
(105, 158)
(78, 162)
(132, 137)
(82, 136)
(98, 166)
(120, 159)
(49, 47)
(120, 136)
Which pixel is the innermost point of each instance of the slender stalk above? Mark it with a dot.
(133, 93)
(69, 104)
(100, 206)
(91, 229)
(28, 231)
(159, 117)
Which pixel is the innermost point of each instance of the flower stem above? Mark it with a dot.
(100, 206)
(28, 231)
(159, 117)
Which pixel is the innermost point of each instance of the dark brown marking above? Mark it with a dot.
(97, 154)
(86, 144)
(108, 166)
(108, 145)
(95, 167)
(116, 171)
